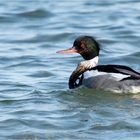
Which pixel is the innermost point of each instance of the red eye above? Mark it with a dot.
(82, 44)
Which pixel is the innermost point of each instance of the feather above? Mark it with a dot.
(118, 69)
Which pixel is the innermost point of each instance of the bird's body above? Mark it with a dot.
(109, 83)
(114, 78)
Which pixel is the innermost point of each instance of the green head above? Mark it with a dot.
(86, 46)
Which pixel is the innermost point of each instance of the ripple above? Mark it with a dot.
(37, 13)
(40, 38)
(7, 19)
(41, 74)
(122, 125)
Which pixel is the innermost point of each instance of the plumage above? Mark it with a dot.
(115, 78)
(108, 82)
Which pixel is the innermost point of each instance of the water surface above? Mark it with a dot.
(35, 102)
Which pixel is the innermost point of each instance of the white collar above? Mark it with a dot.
(90, 63)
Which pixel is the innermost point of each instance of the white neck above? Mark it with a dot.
(90, 63)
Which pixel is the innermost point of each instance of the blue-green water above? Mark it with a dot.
(35, 102)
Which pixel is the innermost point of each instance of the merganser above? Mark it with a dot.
(114, 78)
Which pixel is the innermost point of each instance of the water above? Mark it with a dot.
(35, 102)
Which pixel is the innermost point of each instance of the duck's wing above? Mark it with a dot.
(118, 69)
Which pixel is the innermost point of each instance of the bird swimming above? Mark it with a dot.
(114, 78)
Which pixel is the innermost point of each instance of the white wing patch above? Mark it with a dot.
(115, 76)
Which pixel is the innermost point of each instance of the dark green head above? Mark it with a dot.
(86, 46)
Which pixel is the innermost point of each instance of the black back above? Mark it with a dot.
(118, 69)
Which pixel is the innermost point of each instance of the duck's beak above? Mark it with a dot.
(70, 50)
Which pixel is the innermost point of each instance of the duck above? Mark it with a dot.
(110, 77)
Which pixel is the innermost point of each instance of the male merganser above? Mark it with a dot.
(125, 80)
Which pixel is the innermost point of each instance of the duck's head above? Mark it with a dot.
(86, 46)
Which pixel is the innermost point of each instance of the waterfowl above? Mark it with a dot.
(115, 78)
